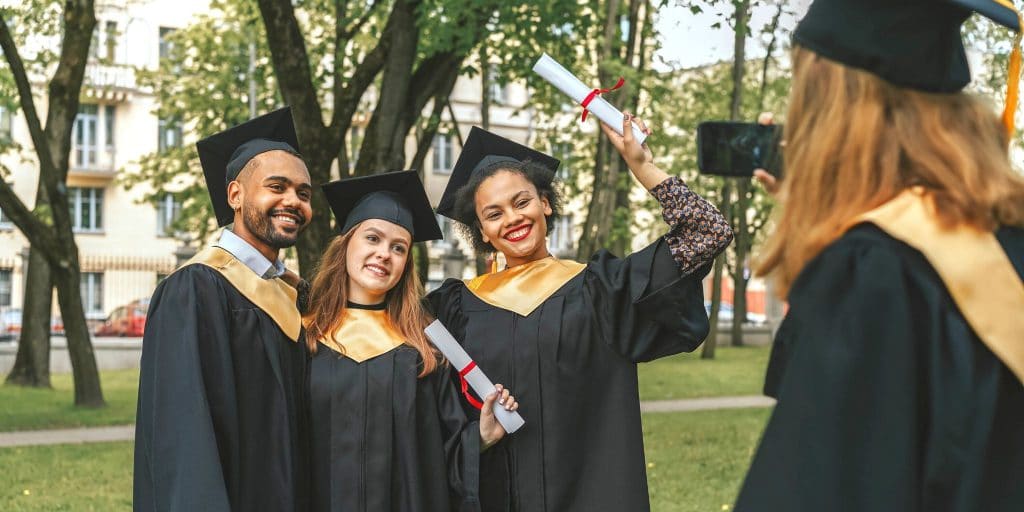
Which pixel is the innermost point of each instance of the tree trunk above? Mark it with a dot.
(711, 343)
(742, 234)
(635, 57)
(485, 88)
(590, 237)
(739, 274)
(83, 360)
(32, 363)
(596, 227)
(708, 352)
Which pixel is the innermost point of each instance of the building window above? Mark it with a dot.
(86, 206)
(5, 221)
(166, 46)
(168, 209)
(442, 149)
(169, 135)
(85, 135)
(109, 117)
(355, 141)
(110, 38)
(563, 152)
(92, 294)
(6, 121)
(5, 287)
(560, 238)
(92, 137)
(495, 90)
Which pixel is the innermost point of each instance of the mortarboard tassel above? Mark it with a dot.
(1012, 76)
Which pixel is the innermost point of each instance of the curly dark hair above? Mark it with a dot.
(465, 198)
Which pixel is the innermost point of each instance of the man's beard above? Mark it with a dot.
(259, 224)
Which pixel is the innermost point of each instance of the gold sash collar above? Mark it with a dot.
(522, 288)
(973, 266)
(273, 296)
(364, 334)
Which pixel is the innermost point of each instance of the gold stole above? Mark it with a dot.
(972, 265)
(364, 334)
(522, 288)
(273, 296)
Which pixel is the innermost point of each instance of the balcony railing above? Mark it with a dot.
(109, 80)
(94, 162)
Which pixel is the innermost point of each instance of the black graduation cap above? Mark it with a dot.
(397, 197)
(482, 149)
(910, 43)
(223, 155)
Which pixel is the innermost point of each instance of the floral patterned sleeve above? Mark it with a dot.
(699, 232)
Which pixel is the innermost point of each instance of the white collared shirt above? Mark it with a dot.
(248, 255)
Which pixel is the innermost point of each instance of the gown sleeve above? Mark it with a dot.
(651, 304)
(445, 303)
(843, 435)
(462, 444)
(185, 346)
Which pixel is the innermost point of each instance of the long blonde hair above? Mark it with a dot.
(854, 142)
(328, 297)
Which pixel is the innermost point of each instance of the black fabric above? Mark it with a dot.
(246, 151)
(224, 154)
(572, 367)
(385, 440)
(223, 407)
(886, 398)
(397, 197)
(910, 43)
(483, 148)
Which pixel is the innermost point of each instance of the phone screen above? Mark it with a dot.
(736, 149)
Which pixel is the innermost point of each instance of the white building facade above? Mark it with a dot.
(125, 248)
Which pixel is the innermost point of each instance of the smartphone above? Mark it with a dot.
(727, 148)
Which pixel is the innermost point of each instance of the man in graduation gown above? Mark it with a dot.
(222, 415)
(898, 368)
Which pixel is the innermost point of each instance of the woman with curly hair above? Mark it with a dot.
(567, 336)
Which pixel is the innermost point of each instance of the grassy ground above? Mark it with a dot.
(696, 460)
(734, 371)
(33, 409)
(695, 463)
(91, 477)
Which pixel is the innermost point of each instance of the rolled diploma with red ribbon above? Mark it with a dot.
(550, 70)
(460, 360)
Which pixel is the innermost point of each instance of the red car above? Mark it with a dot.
(127, 320)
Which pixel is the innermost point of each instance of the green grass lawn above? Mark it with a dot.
(695, 463)
(34, 409)
(91, 477)
(696, 460)
(734, 371)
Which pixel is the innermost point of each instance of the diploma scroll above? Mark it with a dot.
(550, 70)
(457, 356)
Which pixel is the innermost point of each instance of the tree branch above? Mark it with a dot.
(28, 105)
(23, 218)
(357, 25)
(291, 66)
(348, 92)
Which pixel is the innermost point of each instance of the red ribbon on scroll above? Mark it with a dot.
(465, 385)
(595, 93)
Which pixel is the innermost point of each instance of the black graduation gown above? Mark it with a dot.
(222, 412)
(385, 440)
(572, 366)
(887, 400)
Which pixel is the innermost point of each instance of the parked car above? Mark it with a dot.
(127, 320)
(10, 325)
